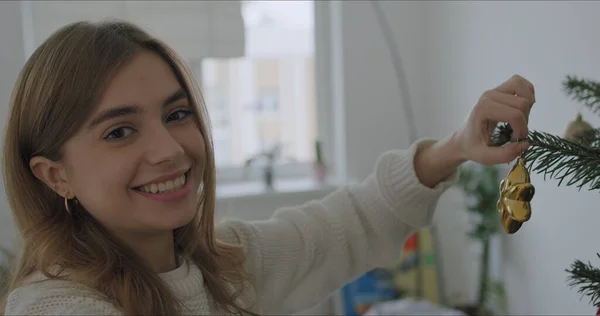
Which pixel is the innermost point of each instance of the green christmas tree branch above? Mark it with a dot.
(587, 278)
(564, 160)
(582, 90)
(574, 162)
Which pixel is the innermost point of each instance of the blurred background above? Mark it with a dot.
(292, 86)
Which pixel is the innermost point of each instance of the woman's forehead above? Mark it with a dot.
(146, 80)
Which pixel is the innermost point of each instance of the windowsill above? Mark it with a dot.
(252, 189)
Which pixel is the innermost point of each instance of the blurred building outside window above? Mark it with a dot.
(266, 98)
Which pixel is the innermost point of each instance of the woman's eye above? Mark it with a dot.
(119, 133)
(178, 115)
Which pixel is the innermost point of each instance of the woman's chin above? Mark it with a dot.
(164, 220)
(176, 219)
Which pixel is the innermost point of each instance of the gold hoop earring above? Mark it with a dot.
(67, 205)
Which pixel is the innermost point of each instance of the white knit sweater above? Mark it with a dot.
(299, 256)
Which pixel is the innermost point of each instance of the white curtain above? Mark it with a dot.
(195, 29)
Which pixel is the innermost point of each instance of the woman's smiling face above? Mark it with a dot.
(137, 163)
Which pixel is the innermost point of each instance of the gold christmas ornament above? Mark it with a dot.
(516, 192)
(577, 129)
(510, 225)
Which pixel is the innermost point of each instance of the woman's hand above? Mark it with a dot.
(510, 102)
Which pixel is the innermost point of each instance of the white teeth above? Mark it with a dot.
(167, 186)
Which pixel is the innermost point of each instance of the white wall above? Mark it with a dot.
(374, 119)
(12, 57)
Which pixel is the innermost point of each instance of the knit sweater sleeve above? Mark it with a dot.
(302, 254)
(54, 297)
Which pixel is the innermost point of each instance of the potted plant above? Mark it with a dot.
(319, 165)
(480, 185)
(270, 157)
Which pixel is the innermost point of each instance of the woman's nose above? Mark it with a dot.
(162, 146)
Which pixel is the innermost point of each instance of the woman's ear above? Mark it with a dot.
(51, 173)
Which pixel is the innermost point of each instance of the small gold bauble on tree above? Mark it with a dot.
(516, 192)
(578, 130)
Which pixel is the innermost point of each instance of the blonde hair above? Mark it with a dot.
(55, 93)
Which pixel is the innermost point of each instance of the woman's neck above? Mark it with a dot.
(157, 250)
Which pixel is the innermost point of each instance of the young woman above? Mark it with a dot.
(109, 168)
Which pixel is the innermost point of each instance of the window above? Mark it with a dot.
(266, 98)
(215, 95)
(268, 102)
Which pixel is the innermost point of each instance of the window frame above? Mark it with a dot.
(304, 169)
